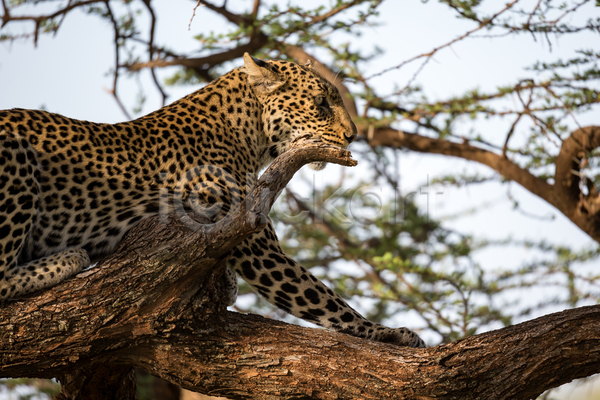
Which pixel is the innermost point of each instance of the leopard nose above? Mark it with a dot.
(350, 135)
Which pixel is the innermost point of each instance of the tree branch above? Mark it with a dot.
(482, 24)
(152, 31)
(261, 358)
(583, 209)
(248, 357)
(334, 11)
(39, 18)
(256, 43)
(386, 136)
(113, 91)
(231, 17)
(255, 8)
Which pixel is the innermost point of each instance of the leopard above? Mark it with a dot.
(71, 189)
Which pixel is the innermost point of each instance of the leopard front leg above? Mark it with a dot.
(42, 273)
(289, 286)
(231, 287)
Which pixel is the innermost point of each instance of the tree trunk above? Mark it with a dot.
(157, 303)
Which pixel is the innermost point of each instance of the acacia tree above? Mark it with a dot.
(403, 265)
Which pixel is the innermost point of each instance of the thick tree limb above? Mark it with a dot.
(256, 358)
(393, 138)
(247, 357)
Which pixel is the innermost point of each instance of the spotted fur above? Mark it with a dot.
(73, 188)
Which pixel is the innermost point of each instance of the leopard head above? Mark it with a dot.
(297, 102)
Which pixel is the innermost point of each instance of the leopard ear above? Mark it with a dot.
(260, 76)
(308, 64)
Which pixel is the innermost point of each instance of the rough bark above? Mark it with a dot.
(581, 208)
(157, 304)
(251, 357)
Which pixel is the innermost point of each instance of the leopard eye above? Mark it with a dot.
(321, 102)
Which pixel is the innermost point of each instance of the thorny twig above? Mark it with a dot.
(430, 54)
